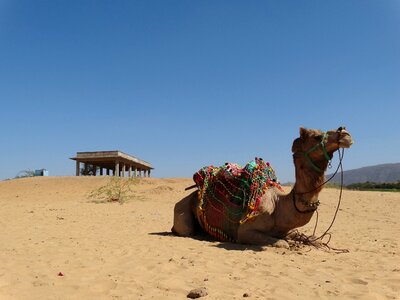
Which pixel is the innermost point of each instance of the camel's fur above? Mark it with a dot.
(277, 213)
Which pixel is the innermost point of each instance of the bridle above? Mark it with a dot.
(315, 147)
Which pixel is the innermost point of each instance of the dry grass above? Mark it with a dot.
(116, 190)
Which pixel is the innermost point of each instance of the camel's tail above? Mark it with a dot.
(191, 187)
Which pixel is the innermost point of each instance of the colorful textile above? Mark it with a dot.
(230, 195)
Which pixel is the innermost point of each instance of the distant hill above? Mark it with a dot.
(378, 173)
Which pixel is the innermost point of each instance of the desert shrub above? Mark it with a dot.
(25, 173)
(116, 190)
(378, 186)
(332, 185)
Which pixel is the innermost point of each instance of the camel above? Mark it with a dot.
(279, 213)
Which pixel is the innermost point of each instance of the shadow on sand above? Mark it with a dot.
(222, 245)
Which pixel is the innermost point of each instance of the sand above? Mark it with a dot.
(55, 243)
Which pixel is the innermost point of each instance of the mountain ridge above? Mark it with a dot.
(388, 172)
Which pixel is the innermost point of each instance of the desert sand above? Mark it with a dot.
(55, 243)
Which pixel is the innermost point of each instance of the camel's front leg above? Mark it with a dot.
(257, 237)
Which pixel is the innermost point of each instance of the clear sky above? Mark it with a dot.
(184, 84)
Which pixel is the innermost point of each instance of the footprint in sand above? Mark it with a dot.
(103, 286)
(359, 281)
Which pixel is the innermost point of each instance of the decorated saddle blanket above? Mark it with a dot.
(230, 195)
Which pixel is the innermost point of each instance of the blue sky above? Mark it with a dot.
(184, 84)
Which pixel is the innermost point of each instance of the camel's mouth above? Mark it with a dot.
(345, 141)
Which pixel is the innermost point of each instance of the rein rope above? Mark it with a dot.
(312, 240)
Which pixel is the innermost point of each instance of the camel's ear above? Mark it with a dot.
(303, 132)
(296, 145)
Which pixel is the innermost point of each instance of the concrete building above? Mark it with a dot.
(107, 162)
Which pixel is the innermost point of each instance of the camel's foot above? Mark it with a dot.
(281, 244)
(255, 237)
(183, 231)
(183, 226)
(174, 231)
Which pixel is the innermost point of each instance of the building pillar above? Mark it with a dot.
(123, 170)
(135, 171)
(148, 173)
(78, 168)
(85, 167)
(130, 171)
(116, 170)
(107, 171)
(101, 171)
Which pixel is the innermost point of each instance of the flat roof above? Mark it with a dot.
(105, 157)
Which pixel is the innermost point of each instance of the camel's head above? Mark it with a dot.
(317, 147)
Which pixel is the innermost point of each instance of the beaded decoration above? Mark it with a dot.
(230, 195)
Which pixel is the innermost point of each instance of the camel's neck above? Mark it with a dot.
(296, 208)
(308, 181)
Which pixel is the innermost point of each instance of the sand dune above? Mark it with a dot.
(55, 243)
